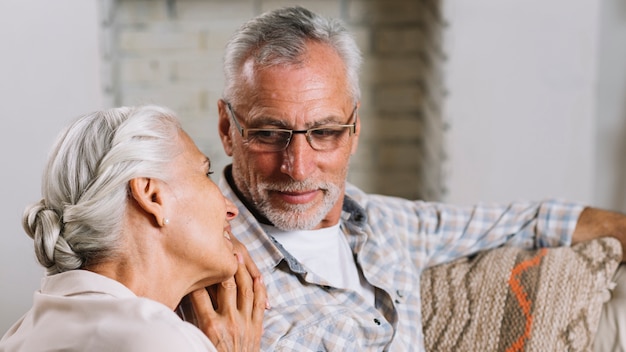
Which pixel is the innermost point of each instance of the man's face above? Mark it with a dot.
(299, 187)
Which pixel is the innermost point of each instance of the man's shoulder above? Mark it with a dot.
(366, 200)
(359, 202)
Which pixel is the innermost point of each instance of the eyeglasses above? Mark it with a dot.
(324, 138)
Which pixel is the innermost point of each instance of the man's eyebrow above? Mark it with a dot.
(266, 121)
(278, 123)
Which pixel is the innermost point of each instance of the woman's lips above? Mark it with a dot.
(227, 235)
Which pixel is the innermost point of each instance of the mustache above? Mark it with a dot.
(296, 186)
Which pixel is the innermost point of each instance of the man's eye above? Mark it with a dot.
(268, 136)
(327, 132)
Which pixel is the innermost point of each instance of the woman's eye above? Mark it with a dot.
(209, 173)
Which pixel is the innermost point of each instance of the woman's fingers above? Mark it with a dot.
(260, 301)
(230, 313)
(226, 296)
(252, 269)
(240, 249)
(222, 332)
(245, 289)
(260, 304)
(251, 304)
(202, 307)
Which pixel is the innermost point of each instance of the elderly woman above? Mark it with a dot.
(130, 223)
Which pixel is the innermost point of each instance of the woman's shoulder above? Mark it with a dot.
(98, 322)
(141, 324)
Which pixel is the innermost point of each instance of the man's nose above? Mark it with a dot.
(298, 158)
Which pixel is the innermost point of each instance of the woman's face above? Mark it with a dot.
(198, 214)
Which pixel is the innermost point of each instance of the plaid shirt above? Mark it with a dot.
(393, 240)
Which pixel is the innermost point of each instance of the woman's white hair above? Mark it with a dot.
(85, 183)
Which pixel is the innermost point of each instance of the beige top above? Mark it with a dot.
(83, 311)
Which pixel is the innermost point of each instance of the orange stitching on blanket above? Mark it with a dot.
(522, 299)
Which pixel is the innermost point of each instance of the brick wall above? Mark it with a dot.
(169, 52)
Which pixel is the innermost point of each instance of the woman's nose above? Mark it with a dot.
(231, 209)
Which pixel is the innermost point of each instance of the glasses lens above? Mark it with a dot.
(268, 140)
(274, 140)
(329, 137)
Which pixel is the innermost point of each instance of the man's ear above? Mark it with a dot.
(224, 127)
(148, 194)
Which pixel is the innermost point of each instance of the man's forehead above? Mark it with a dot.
(296, 116)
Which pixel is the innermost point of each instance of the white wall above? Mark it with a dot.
(50, 74)
(522, 82)
(610, 181)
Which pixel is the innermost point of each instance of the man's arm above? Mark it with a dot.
(594, 223)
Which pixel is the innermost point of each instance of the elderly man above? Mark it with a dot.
(342, 267)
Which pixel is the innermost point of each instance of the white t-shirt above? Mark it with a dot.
(80, 310)
(326, 253)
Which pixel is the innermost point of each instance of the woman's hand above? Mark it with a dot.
(231, 313)
(240, 249)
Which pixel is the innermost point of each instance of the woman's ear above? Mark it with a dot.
(148, 194)
(224, 126)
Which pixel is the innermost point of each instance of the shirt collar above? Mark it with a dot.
(74, 282)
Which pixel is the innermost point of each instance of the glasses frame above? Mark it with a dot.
(244, 131)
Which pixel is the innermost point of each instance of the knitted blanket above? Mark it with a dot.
(510, 299)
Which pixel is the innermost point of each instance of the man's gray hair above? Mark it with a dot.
(279, 37)
(85, 183)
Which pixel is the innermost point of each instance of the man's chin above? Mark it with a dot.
(291, 220)
(297, 227)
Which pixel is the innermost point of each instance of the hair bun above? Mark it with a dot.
(44, 226)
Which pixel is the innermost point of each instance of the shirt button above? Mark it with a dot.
(376, 321)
